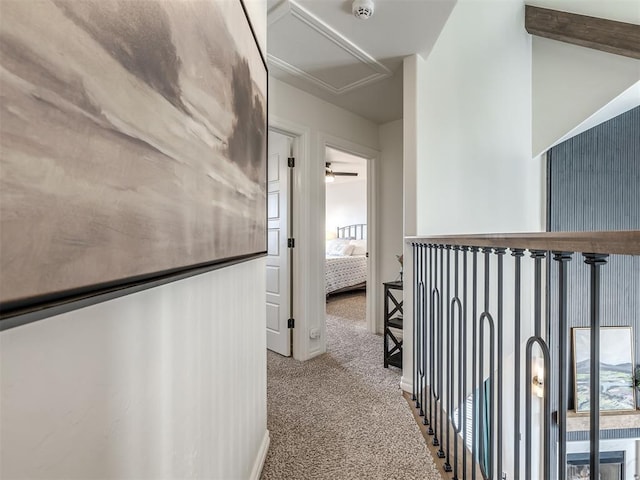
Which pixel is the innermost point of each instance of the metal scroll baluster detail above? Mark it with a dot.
(563, 374)
(486, 401)
(546, 414)
(440, 367)
(433, 418)
(474, 387)
(486, 441)
(418, 336)
(595, 261)
(456, 399)
(449, 357)
(463, 407)
(459, 381)
(424, 341)
(432, 312)
(436, 363)
(538, 256)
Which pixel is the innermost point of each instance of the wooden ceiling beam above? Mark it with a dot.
(598, 33)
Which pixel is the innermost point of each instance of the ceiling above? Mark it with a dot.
(319, 46)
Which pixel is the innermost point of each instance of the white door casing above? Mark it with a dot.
(373, 315)
(278, 264)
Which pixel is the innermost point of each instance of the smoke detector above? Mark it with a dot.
(362, 9)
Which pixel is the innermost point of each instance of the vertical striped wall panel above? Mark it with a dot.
(594, 184)
(170, 382)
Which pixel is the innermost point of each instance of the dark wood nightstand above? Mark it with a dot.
(392, 319)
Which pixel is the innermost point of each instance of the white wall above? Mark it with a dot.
(571, 83)
(471, 150)
(346, 204)
(390, 216)
(475, 173)
(165, 383)
(319, 122)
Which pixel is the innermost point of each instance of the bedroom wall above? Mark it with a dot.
(165, 383)
(291, 108)
(346, 204)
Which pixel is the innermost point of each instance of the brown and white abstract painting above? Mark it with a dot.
(132, 140)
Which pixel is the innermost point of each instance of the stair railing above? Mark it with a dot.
(460, 290)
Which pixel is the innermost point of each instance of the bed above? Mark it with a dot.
(346, 260)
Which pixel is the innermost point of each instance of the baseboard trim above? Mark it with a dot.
(406, 386)
(256, 471)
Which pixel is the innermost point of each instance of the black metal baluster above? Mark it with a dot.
(424, 339)
(435, 364)
(517, 253)
(563, 374)
(416, 334)
(500, 253)
(432, 311)
(538, 256)
(488, 471)
(475, 389)
(441, 351)
(414, 361)
(546, 415)
(464, 363)
(595, 261)
(488, 453)
(448, 378)
(457, 368)
(418, 341)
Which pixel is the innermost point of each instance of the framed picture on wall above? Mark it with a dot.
(133, 147)
(617, 392)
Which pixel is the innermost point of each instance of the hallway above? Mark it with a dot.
(342, 415)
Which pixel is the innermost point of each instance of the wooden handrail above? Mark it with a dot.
(625, 242)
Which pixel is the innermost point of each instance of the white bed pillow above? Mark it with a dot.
(339, 247)
(359, 247)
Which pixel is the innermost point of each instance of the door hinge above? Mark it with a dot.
(291, 323)
(291, 161)
(291, 243)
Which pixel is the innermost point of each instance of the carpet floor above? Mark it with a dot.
(342, 415)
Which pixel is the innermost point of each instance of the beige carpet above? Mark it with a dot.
(342, 415)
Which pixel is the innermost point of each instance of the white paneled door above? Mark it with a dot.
(278, 258)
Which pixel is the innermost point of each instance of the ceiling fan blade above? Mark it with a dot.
(346, 174)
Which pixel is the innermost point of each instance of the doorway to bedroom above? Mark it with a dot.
(346, 263)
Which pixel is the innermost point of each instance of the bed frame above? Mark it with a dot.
(357, 231)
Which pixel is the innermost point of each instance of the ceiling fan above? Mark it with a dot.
(330, 175)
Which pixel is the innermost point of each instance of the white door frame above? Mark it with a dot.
(372, 158)
(307, 189)
(301, 136)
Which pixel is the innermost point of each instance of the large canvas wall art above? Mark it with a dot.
(132, 143)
